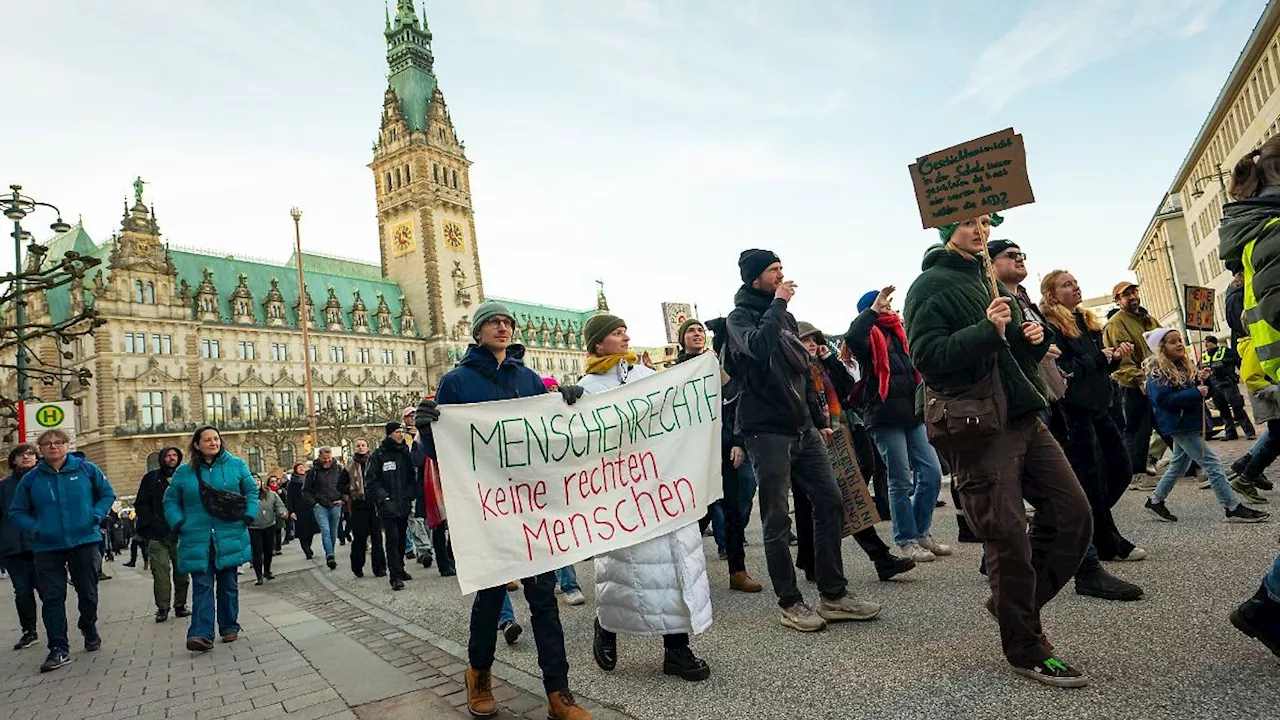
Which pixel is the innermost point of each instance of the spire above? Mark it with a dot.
(410, 64)
(602, 304)
(386, 17)
(406, 15)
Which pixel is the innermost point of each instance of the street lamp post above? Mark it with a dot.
(304, 320)
(17, 206)
(1221, 176)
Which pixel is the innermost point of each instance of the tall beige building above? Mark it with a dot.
(197, 336)
(1245, 113)
(1162, 263)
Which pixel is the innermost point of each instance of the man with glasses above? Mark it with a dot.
(60, 504)
(1128, 325)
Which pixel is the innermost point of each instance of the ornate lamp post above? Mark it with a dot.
(17, 206)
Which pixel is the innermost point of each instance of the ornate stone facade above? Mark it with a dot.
(195, 336)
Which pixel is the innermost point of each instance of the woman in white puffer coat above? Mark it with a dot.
(658, 587)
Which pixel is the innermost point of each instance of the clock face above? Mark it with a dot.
(402, 238)
(453, 235)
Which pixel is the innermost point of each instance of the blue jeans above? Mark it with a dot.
(906, 453)
(567, 576)
(508, 612)
(716, 511)
(1256, 447)
(1189, 447)
(1272, 580)
(202, 601)
(747, 489)
(327, 519)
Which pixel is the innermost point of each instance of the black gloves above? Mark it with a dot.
(570, 393)
(427, 413)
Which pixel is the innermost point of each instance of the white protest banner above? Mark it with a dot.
(534, 484)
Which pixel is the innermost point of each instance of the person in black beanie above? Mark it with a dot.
(162, 543)
(786, 429)
(391, 482)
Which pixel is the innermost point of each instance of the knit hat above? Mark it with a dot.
(597, 328)
(488, 309)
(684, 327)
(393, 426)
(946, 231)
(753, 262)
(995, 247)
(550, 382)
(867, 300)
(1155, 337)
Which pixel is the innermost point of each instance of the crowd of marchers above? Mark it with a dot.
(1041, 413)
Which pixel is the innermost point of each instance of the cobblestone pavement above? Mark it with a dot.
(323, 644)
(304, 654)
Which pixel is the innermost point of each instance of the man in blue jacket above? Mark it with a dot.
(60, 504)
(493, 369)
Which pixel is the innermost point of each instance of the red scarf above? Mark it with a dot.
(880, 349)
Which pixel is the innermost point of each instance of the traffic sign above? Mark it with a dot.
(40, 416)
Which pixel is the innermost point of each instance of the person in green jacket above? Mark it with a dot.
(209, 548)
(1129, 325)
(961, 324)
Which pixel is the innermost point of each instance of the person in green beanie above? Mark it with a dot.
(964, 329)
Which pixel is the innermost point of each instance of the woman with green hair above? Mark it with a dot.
(978, 357)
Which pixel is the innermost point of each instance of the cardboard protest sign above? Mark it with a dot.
(1200, 307)
(859, 510)
(533, 484)
(981, 176)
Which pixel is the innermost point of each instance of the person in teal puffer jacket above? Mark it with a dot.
(211, 549)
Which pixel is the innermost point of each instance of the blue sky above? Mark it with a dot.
(642, 142)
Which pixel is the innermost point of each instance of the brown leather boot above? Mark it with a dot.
(561, 705)
(742, 582)
(480, 702)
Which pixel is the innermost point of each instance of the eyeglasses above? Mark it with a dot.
(1016, 256)
(52, 443)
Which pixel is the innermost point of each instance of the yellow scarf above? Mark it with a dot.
(602, 365)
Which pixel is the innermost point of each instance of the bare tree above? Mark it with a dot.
(14, 338)
(276, 433)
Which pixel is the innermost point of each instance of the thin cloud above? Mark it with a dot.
(1055, 40)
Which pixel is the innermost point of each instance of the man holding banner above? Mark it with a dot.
(782, 420)
(493, 369)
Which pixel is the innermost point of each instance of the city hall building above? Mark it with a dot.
(198, 336)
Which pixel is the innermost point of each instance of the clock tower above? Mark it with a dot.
(426, 225)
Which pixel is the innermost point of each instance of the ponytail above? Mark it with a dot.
(1256, 171)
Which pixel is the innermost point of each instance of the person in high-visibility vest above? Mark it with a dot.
(1250, 235)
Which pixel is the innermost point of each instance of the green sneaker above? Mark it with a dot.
(1248, 492)
(1055, 673)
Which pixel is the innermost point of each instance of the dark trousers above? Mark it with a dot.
(1226, 397)
(444, 547)
(343, 534)
(1025, 569)
(734, 523)
(800, 459)
(1259, 461)
(395, 529)
(366, 527)
(1137, 427)
(22, 574)
(544, 613)
(873, 469)
(52, 570)
(1097, 455)
(135, 545)
(279, 539)
(263, 543)
(304, 542)
(867, 538)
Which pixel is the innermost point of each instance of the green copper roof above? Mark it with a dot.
(335, 266)
(410, 64)
(258, 276)
(570, 320)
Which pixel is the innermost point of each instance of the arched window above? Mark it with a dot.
(151, 293)
(435, 172)
(253, 456)
(388, 184)
(137, 291)
(407, 180)
(397, 177)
